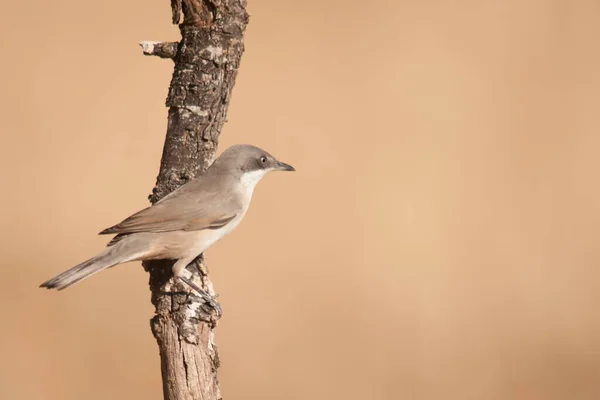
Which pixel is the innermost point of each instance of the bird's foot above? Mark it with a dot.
(210, 307)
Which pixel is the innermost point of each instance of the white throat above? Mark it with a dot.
(250, 179)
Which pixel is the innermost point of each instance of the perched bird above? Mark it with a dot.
(187, 221)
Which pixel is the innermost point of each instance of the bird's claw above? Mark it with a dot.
(210, 306)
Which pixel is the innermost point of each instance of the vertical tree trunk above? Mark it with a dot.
(206, 64)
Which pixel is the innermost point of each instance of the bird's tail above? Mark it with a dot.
(111, 256)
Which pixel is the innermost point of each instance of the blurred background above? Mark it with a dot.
(438, 240)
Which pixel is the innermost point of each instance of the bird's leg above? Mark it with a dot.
(210, 306)
(206, 298)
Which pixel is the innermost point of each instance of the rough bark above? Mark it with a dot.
(206, 64)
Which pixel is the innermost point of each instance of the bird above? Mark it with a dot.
(187, 221)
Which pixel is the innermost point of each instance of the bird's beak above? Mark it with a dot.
(281, 166)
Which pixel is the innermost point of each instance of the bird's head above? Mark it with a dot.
(250, 163)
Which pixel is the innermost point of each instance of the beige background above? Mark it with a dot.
(439, 240)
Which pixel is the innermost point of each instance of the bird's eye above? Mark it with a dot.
(263, 160)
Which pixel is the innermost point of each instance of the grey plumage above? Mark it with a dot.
(121, 252)
(187, 221)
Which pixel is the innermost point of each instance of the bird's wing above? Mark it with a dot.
(189, 210)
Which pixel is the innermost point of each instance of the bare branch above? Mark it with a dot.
(206, 63)
(176, 10)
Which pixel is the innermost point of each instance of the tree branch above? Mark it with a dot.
(206, 63)
(176, 11)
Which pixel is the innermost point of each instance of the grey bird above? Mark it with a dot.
(187, 221)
